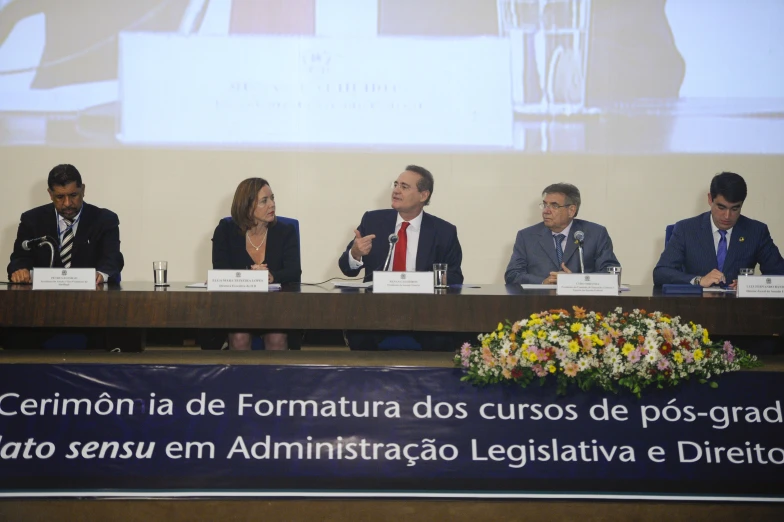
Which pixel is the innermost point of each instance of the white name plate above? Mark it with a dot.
(761, 286)
(587, 284)
(238, 280)
(64, 279)
(403, 282)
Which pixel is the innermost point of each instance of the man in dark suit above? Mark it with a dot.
(711, 248)
(87, 236)
(549, 248)
(423, 240)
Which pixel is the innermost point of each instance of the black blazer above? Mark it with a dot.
(438, 243)
(282, 256)
(96, 244)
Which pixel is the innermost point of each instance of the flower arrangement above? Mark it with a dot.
(619, 350)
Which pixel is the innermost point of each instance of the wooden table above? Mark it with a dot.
(133, 307)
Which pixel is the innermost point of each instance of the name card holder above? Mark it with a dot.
(761, 286)
(587, 284)
(403, 282)
(64, 279)
(238, 280)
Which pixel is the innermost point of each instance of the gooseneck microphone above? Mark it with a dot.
(392, 240)
(28, 244)
(579, 237)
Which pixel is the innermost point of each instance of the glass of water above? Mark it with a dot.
(439, 275)
(617, 271)
(159, 272)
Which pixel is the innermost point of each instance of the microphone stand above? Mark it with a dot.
(51, 251)
(582, 264)
(392, 242)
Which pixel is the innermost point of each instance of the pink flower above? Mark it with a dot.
(571, 369)
(662, 364)
(729, 351)
(539, 370)
(634, 356)
(465, 351)
(688, 357)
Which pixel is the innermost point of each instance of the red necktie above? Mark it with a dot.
(399, 263)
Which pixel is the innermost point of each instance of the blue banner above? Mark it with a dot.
(337, 431)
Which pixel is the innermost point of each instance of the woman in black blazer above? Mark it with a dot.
(253, 239)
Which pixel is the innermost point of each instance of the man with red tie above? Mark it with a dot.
(423, 240)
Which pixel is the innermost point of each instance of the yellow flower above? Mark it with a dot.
(666, 320)
(627, 349)
(605, 326)
(678, 357)
(486, 342)
(532, 357)
(705, 338)
(528, 334)
(698, 354)
(551, 369)
(576, 327)
(596, 340)
(512, 337)
(693, 327)
(542, 334)
(534, 316)
(500, 327)
(493, 336)
(574, 346)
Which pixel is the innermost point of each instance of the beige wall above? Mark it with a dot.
(170, 201)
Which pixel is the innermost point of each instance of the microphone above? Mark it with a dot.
(392, 240)
(579, 237)
(28, 244)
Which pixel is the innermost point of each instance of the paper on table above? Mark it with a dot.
(352, 284)
(718, 290)
(624, 288)
(272, 286)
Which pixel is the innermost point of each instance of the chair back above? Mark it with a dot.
(668, 233)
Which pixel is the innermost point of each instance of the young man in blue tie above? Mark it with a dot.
(711, 248)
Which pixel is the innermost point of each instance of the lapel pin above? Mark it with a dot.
(741, 239)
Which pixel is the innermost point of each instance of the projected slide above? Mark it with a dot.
(536, 76)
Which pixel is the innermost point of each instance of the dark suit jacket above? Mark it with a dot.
(533, 256)
(438, 243)
(690, 251)
(96, 244)
(282, 256)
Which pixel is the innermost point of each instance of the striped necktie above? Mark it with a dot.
(66, 246)
(558, 250)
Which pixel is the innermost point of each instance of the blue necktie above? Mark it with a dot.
(558, 250)
(721, 251)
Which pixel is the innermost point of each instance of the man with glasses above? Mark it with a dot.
(549, 248)
(710, 249)
(423, 240)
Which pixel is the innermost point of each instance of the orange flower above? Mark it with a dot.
(579, 313)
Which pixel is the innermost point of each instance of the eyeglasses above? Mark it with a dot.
(401, 186)
(552, 206)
